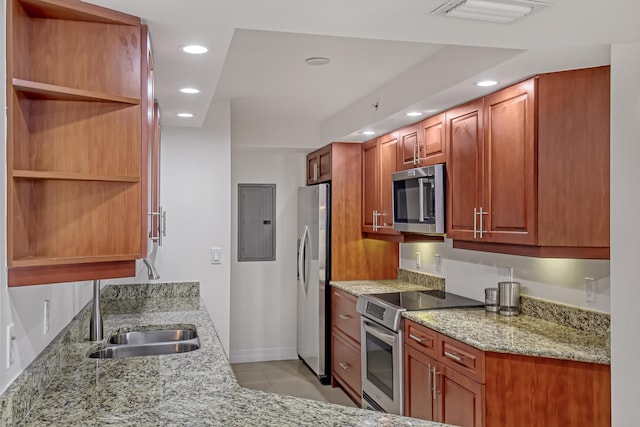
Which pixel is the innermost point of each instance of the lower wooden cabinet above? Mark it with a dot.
(464, 386)
(345, 366)
(436, 392)
(345, 344)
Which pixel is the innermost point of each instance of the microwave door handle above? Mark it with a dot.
(421, 201)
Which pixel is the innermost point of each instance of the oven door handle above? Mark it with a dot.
(379, 333)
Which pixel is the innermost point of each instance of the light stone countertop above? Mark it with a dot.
(524, 335)
(189, 389)
(360, 287)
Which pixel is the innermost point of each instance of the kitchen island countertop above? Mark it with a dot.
(189, 389)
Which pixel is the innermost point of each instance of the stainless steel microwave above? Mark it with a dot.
(418, 200)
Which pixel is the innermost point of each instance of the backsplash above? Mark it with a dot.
(427, 280)
(567, 315)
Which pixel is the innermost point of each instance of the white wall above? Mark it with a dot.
(469, 272)
(263, 294)
(625, 234)
(195, 192)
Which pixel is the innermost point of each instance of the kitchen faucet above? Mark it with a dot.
(153, 273)
(95, 324)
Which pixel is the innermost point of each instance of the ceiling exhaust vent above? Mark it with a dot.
(500, 11)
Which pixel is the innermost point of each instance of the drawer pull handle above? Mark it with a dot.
(344, 365)
(416, 338)
(344, 316)
(454, 356)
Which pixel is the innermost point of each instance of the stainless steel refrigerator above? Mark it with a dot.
(313, 278)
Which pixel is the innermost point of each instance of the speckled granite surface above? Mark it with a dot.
(567, 315)
(545, 328)
(407, 281)
(360, 287)
(427, 280)
(189, 389)
(522, 334)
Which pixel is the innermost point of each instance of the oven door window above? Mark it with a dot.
(380, 364)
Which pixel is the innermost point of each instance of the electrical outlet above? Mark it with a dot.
(418, 264)
(590, 289)
(11, 339)
(46, 316)
(438, 262)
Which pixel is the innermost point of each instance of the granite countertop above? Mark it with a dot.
(360, 287)
(525, 335)
(521, 334)
(189, 389)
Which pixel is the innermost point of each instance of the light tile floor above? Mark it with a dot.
(290, 377)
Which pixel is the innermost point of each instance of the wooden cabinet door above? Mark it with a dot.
(319, 166)
(432, 148)
(418, 401)
(510, 165)
(409, 139)
(369, 184)
(464, 139)
(387, 150)
(460, 399)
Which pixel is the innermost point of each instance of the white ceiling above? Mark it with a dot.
(258, 47)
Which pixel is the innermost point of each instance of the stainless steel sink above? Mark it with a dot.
(148, 343)
(145, 349)
(153, 336)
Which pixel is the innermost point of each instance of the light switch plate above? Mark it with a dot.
(590, 289)
(216, 255)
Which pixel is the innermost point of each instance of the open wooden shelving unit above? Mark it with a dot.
(74, 141)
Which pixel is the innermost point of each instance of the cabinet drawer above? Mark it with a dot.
(346, 363)
(461, 357)
(344, 314)
(421, 338)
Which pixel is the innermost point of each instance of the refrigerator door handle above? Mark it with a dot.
(302, 259)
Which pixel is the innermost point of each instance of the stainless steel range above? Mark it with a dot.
(382, 341)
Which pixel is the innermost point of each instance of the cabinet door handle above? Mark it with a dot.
(416, 338)
(376, 214)
(430, 382)
(434, 382)
(344, 316)
(454, 356)
(475, 227)
(415, 157)
(480, 214)
(344, 366)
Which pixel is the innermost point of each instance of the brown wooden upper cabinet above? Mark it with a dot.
(422, 144)
(528, 168)
(74, 141)
(319, 165)
(378, 163)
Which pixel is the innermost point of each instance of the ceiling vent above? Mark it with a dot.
(500, 11)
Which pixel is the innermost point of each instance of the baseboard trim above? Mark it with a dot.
(263, 354)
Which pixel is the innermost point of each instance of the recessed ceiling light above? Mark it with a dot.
(189, 90)
(414, 113)
(317, 60)
(185, 115)
(368, 132)
(486, 83)
(195, 49)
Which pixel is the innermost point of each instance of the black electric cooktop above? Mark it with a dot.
(426, 300)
